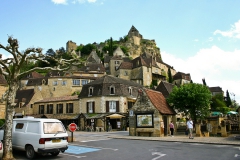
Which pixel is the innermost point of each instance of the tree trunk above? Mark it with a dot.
(7, 139)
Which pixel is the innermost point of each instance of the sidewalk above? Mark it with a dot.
(231, 140)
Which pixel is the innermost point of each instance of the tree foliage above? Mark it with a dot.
(228, 99)
(218, 104)
(192, 98)
(12, 70)
(87, 49)
(170, 78)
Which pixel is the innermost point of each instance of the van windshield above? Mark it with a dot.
(53, 127)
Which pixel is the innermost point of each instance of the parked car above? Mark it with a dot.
(38, 135)
(1, 150)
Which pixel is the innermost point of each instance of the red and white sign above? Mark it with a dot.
(72, 127)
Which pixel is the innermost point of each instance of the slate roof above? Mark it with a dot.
(57, 99)
(2, 80)
(37, 81)
(215, 89)
(165, 88)
(138, 62)
(125, 65)
(93, 67)
(159, 101)
(33, 75)
(54, 74)
(181, 75)
(24, 96)
(101, 87)
(107, 59)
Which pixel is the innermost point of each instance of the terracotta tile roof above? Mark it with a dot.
(2, 80)
(57, 99)
(125, 65)
(159, 101)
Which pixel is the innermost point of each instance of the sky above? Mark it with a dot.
(199, 37)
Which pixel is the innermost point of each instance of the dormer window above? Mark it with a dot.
(90, 91)
(58, 74)
(87, 68)
(130, 90)
(112, 90)
(98, 69)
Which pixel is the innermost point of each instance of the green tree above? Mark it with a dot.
(218, 104)
(228, 99)
(192, 98)
(87, 49)
(111, 47)
(170, 78)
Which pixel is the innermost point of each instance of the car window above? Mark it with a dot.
(33, 127)
(53, 128)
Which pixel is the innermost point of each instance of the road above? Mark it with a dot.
(93, 146)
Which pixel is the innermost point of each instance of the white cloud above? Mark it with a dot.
(195, 40)
(83, 1)
(234, 31)
(59, 1)
(218, 67)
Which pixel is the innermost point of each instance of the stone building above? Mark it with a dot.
(107, 99)
(150, 115)
(181, 78)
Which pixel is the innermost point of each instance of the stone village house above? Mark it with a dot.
(150, 115)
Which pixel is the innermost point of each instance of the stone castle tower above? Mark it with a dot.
(134, 36)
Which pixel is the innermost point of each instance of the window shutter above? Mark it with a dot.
(87, 107)
(117, 106)
(67, 108)
(107, 106)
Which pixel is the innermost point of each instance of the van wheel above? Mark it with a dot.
(55, 153)
(30, 153)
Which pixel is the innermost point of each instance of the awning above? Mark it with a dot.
(115, 116)
(232, 112)
(94, 115)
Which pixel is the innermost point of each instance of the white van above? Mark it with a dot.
(38, 135)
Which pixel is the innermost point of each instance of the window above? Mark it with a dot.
(116, 68)
(84, 82)
(41, 109)
(31, 106)
(90, 107)
(112, 90)
(19, 125)
(64, 83)
(147, 69)
(69, 108)
(116, 62)
(76, 82)
(59, 108)
(55, 83)
(49, 108)
(125, 73)
(130, 90)
(112, 106)
(90, 92)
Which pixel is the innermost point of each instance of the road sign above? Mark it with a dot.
(72, 127)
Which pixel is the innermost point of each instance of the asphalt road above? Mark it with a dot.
(100, 147)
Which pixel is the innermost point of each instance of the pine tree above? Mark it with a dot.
(204, 82)
(170, 78)
(228, 99)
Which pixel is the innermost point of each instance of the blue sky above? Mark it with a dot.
(199, 37)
